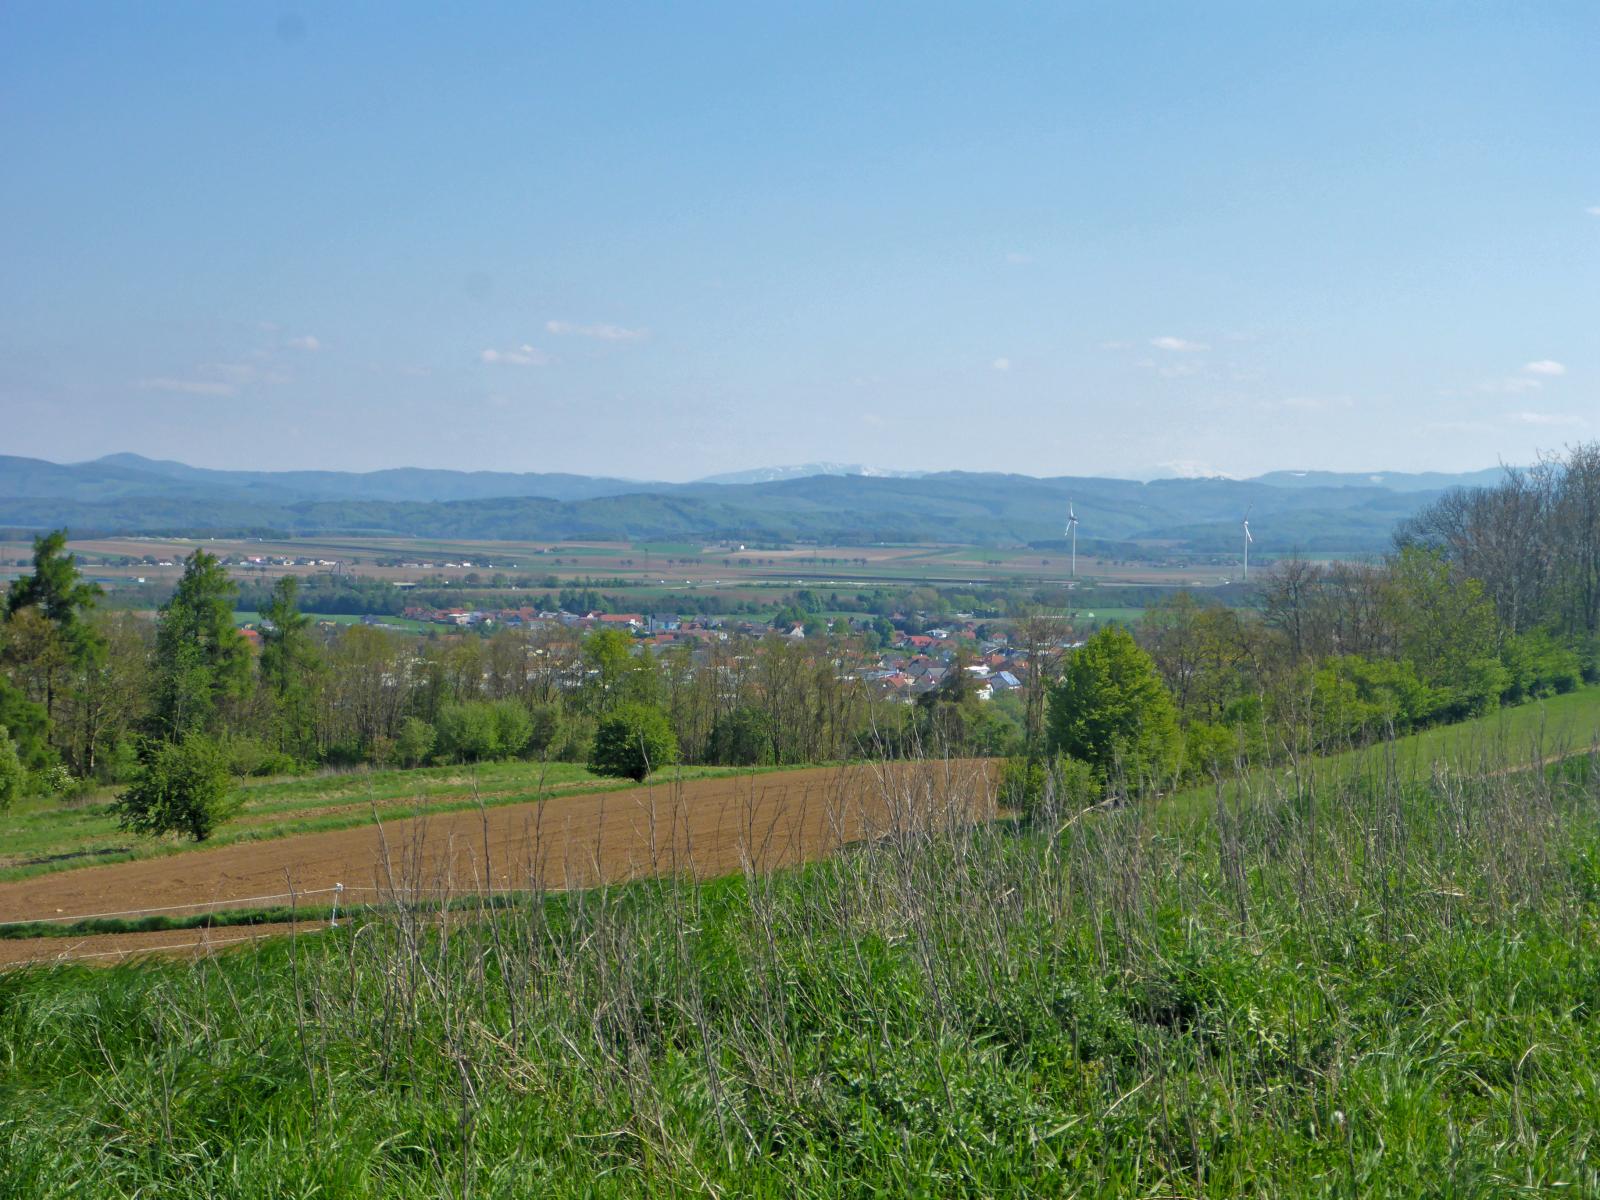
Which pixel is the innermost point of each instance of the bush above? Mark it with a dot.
(11, 770)
(513, 728)
(1042, 788)
(741, 738)
(414, 742)
(468, 732)
(56, 782)
(252, 756)
(182, 787)
(632, 741)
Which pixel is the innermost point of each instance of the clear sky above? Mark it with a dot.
(673, 239)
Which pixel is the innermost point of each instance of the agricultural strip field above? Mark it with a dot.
(701, 828)
(39, 836)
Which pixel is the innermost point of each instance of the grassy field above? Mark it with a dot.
(1513, 738)
(39, 835)
(1382, 987)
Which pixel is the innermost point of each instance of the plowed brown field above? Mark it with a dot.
(704, 828)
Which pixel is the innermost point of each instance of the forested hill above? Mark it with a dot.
(127, 494)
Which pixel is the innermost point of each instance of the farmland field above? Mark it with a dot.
(41, 835)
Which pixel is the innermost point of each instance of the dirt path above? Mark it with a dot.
(705, 827)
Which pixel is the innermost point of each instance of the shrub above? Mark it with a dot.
(468, 732)
(11, 770)
(1041, 787)
(632, 741)
(252, 756)
(414, 742)
(513, 728)
(182, 787)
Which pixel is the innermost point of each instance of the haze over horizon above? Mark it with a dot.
(662, 245)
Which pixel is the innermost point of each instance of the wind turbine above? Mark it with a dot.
(1247, 540)
(1072, 532)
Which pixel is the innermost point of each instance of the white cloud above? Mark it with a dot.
(1545, 366)
(604, 333)
(1178, 345)
(187, 387)
(522, 356)
(1539, 418)
(305, 343)
(1001, 364)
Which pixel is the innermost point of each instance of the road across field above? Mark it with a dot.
(703, 828)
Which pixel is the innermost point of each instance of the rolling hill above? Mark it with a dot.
(1289, 510)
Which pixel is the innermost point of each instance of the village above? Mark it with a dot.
(904, 665)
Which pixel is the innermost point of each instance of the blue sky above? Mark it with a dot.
(663, 241)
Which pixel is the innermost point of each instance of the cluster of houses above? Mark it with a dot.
(911, 665)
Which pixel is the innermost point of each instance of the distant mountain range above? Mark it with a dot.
(1316, 512)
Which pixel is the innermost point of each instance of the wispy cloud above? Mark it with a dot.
(1593, 210)
(1178, 345)
(1513, 385)
(1314, 403)
(306, 342)
(1545, 366)
(604, 333)
(522, 356)
(1542, 418)
(1001, 364)
(187, 387)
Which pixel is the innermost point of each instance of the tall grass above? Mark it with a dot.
(1385, 984)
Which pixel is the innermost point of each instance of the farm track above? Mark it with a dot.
(703, 827)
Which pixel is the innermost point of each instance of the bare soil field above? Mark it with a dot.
(703, 828)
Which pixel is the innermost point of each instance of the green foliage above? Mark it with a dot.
(741, 738)
(469, 732)
(1112, 711)
(182, 787)
(617, 672)
(513, 727)
(201, 660)
(289, 666)
(1044, 788)
(246, 756)
(1538, 664)
(12, 772)
(59, 592)
(1447, 628)
(631, 742)
(414, 741)
(1209, 749)
(27, 725)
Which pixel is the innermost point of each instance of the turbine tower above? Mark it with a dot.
(1247, 540)
(1072, 532)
